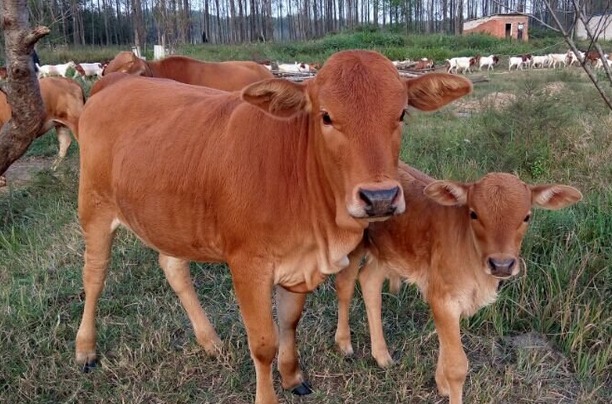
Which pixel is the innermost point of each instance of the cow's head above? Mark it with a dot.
(127, 62)
(356, 106)
(498, 208)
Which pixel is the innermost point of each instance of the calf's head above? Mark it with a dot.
(355, 107)
(497, 209)
(127, 62)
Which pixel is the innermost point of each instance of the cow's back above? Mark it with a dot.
(227, 76)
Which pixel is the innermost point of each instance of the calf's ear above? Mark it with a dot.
(434, 90)
(447, 193)
(279, 98)
(554, 196)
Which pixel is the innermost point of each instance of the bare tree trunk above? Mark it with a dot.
(21, 87)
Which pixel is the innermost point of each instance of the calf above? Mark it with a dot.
(305, 167)
(489, 61)
(64, 100)
(55, 70)
(456, 241)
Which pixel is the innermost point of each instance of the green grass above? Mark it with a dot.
(546, 340)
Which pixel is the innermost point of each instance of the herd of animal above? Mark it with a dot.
(312, 171)
(551, 60)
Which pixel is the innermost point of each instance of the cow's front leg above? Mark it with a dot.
(253, 285)
(289, 307)
(179, 278)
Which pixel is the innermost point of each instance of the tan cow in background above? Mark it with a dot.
(228, 76)
(279, 181)
(64, 100)
(456, 241)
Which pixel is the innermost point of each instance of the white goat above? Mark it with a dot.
(55, 70)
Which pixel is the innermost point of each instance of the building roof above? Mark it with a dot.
(493, 16)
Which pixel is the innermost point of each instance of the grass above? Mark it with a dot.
(547, 339)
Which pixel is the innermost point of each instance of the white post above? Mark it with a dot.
(158, 52)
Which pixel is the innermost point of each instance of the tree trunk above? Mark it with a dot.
(21, 87)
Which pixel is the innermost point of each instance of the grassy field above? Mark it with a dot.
(548, 339)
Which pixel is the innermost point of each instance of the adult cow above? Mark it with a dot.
(279, 181)
(64, 100)
(228, 76)
(455, 242)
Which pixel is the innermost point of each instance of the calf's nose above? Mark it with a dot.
(501, 267)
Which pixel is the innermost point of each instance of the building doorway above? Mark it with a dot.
(508, 30)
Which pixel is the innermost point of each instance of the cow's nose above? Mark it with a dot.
(501, 267)
(379, 202)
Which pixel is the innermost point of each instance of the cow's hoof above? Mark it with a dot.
(302, 389)
(89, 366)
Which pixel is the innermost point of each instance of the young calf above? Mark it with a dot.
(456, 241)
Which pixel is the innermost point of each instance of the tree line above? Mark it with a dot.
(177, 22)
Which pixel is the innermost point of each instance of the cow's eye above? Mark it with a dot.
(473, 215)
(527, 218)
(326, 119)
(402, 116)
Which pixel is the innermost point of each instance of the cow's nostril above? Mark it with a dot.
(501, 267)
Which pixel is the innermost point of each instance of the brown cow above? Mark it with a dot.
(455, 242)
(278, 181)
(64, 100)
(228, 76)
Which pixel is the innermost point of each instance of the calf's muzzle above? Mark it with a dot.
(380, 202)
(502, 267)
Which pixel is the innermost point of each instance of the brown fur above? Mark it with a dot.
(444, 243)
(64, 100)
(205, 175)
(228, 76)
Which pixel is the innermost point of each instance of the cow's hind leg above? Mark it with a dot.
(98, 234)
(64, 139)
(177, 274)
(253, 284)
(289, 307)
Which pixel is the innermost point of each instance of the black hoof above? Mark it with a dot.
(89, 366)
(302, 389)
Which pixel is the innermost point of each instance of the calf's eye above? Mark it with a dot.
(527, 218)
(473, 215)
(401, 119)
(326, 119)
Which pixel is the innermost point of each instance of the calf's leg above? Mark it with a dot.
(452, 361)
(289, 308)
(177, 274)
(345, 288)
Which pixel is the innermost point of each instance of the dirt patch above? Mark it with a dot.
(21, 172)
(495, 100)
(554, 88)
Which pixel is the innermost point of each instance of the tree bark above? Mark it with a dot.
(21, 87)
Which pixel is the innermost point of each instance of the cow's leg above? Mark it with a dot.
(98, 235)
(452, 361)
(345, 287)
(371, 279)
(289, 307)
(177, 274)
(253, 286)
(64, 139)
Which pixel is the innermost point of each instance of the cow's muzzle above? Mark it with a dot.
(377, 201)
(502, 267)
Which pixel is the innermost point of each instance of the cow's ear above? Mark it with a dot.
(554, 196)
(434, 90)
(447, 193)
(278, 97)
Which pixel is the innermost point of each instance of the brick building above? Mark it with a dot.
(500, 25)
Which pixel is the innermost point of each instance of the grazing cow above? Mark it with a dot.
(89, 70)
(456, 241)
(489, 61)
(64, 100)
(55, 70)
(518, 61)
(305, 167)
(463, 63)
(424, 64)
(228, 76)
(555, 59)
